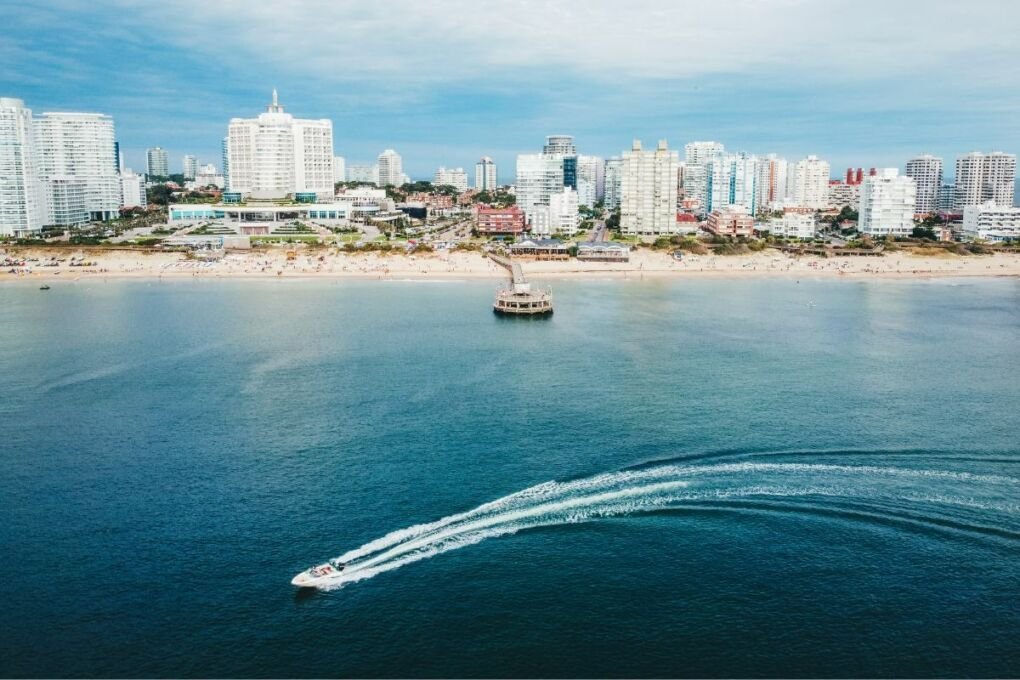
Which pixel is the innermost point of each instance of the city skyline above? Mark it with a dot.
(878, 98)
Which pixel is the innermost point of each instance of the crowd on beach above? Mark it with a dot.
(452, 264)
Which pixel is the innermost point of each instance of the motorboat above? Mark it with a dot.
(44, 287)
(319, 575)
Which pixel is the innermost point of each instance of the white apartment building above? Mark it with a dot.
(926, 171)
(339, 169)
(225, 160)
(591, 180)
(189, 166)
(563, 216)
(22, 203)
(78, 146)
(730, 180)
(648, 191)
(983, 177)
(391, 168)
(485, 174)
(539, 176)
(809, 183)
(363, 173)
(991, 222)
(207, 176)
(771, 182)
(454, 177)
(613, 183)
(843, 195)
(157, 162)
(276, 155)
(888, 203)
(794, 225)
(696, 158)
(132, 190)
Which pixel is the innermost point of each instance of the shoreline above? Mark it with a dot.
(453, 266)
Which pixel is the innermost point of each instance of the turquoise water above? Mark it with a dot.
(682, 478)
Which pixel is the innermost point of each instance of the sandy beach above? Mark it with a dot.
(49, 264)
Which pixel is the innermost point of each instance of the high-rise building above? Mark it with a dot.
(339, 169)
(947, 197)
(926, 171)
(648, 188)
(888, 203)
(132, 190)
(539, 176)
(78, 146)
(699, 153)
(991, 222)
(696, 158)
(225, 160)
(485, 174)
(157, 162)
(454, 177)
(189, 166)
(363, 173)
(983, 177)
(559, 217)
(771, 182)
(22, 203)
(614, 182)
(391, 168)
(809, 183)
(563, 145)
(730, 180)
(591, 180)
(276, 155)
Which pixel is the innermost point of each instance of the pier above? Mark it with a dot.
(518, 298)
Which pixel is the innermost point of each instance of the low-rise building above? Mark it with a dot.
(990, 222)
(794, 224)
(541, 249)
(509, 221)
(730, 221)
(603, 251)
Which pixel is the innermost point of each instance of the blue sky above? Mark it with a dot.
(857, 82)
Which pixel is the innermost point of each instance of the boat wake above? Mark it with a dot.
(943, 500)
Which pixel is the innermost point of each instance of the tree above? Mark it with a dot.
(924, 231)
(159, 194)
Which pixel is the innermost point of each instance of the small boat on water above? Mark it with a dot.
(44, 287)
(319, 575)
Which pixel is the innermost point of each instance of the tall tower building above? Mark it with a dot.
(539, 176)
(391, 168)
(225, 161)
(563, 145)
(649, 191)
(485, 174)
(888, 204)
(157, 162)
(276, 155)
(730, 180)
(76, 154)
(809, 183)
(591, 180)
(926, 171)
(454, 177)
(984, 177)
(614, 182)
(22, 204)
(696, 158)
(189, 166)
(339, 169)
(771, 183)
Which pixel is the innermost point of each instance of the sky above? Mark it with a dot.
(856, 82)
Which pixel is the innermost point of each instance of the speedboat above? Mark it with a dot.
(44, 287)
(319, 575)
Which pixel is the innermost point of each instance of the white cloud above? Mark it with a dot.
(409, 41)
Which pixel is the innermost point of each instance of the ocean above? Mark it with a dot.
(689, 478)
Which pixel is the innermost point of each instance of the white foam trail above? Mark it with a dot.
(634, 491)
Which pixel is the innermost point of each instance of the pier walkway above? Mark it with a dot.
(519, 298)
